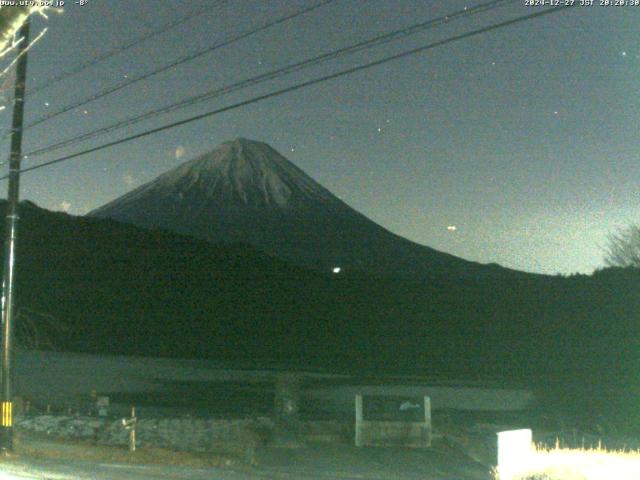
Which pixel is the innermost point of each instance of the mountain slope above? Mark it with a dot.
(245, 191)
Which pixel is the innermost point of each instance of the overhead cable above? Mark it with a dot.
(300, 86)
(180, 61)
(277, 73)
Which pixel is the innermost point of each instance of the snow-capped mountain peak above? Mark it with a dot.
(245, 191)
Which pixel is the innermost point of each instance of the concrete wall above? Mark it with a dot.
(188, 434)
(340, 397)
(53, 377)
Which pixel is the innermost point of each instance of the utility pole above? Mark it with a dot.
(13, 197)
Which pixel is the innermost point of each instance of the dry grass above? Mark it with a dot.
(580, 464)
(46, 447)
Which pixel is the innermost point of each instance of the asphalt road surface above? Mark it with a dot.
(339, 462)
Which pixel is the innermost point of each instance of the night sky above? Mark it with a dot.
(524, 138)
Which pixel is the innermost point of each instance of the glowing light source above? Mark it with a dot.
(336, 269)
(452, 228)
(518, 458)
(11, 18)
(515, 450)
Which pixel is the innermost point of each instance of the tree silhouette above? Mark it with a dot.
(623, 248)
(36, 330)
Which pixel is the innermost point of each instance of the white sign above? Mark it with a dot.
(515, 451)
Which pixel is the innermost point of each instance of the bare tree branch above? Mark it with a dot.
(11, 19)
(623, 248)
(37, 331)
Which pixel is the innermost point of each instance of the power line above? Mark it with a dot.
(122, 48)
(299, 86)
(274, 74)
(176, 63)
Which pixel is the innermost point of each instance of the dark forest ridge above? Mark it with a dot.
(119, 289)
(106, 287)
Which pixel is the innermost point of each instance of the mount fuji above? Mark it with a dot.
(244, 191)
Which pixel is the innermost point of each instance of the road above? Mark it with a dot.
(325, 463)
(71, 470)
